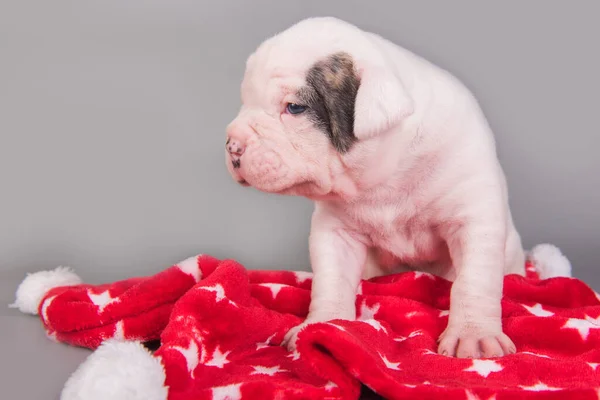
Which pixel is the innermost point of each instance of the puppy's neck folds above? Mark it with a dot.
(379, 166)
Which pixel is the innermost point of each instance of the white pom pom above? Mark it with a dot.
(117, 370)
(549, 261)
(33, 288)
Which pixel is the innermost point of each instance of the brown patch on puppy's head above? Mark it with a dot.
(330, 94)
(337, 69)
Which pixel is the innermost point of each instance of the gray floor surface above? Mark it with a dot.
(32, 367)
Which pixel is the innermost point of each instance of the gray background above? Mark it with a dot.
(112, 117)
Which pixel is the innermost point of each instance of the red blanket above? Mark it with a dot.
(220, 328)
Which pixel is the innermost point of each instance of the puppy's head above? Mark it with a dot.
(313, 97)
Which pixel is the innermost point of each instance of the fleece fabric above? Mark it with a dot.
(220, 327)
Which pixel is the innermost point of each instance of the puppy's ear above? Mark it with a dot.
(381, 102)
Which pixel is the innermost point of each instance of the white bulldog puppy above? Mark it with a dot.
(400, 162)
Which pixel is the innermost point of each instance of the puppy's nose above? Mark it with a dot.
(235, 147)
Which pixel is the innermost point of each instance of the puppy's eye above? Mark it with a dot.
(294, 108)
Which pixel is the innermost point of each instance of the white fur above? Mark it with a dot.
(117, 370)
(35, 286)
(549, 261)
(381, 102)
(421, 187)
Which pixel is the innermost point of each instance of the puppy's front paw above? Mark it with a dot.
(290, 338)
(474, 341)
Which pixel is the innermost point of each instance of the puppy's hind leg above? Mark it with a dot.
(514, 255)
(375, 267)
(372, 267)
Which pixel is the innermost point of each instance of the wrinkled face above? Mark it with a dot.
(294, 126)
(314, 98)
